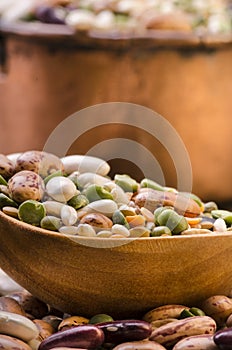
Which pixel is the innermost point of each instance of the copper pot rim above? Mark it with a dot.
(113, 39)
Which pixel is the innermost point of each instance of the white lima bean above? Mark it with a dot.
(86, 230)
(80, 19)
(61, 189)
(219, 225)
(85, 164)
(104, 206)
(53, 208)
(121, 230)
(86, 179)
(68, 215)
(119, 195)
(104, 20)
(104, 234)
(69, 230)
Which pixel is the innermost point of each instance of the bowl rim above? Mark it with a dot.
(115, 38)
(75, 238)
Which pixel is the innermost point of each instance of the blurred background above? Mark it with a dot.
(174, 57)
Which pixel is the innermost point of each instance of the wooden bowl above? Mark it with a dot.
(91, 276)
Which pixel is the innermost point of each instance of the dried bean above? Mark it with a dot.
(196, 342)
(100, 318)
(219, 307)
(86, 337)
(17, 326)
(26, 185)
(126, 330)
(11, 305)
(31, 212)
(171, 333)
(6, 167)
(223, 339)
(72, 321)
(61, 189)
(229, 321)
(30, 303)
(139, 345)
(164, 312)
(45, 329)
(8, 342)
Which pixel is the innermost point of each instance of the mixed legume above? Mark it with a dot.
(75, 196)
(135, 16)
(27, 323)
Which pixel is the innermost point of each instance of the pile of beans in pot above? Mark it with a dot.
(27, 323)
(75, 196)
(137, 16)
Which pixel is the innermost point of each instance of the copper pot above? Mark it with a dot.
(49, 73)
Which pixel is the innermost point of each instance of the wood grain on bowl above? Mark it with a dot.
(89, 276)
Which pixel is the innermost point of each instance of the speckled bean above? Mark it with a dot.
(66, 348)
(142, 208)
(6, 166)
(11, 305)
(169, 334)
(164, 312)
(97, 220)
(45, 329)
(40, 162)
(8, 342)
(26, 185)
(219, 307)
(17, 326)
(196, 342)
(139, 345)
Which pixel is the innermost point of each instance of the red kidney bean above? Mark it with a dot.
(86, 337)
(117, 332)
(223, 339)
